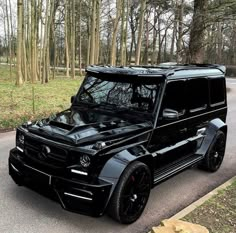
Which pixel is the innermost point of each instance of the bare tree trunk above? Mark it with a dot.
(219, 43)
(140, 32)
(19, 80)
(97, 33)
(196, 49)
(80, 40)
(146, 49)
(11, 25)
(93, 34)
(159, 41)
(48, 21)
(33, 42)
(123, 32)
(180, 5)
(72, 39)
(9, 38)
(154, 40)
(41, 41)
(114, 34)
(24, 57)
(172, 47)
(5, 34)
(67, 60)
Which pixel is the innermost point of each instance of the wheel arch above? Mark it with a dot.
(116, 165)
(214, 126)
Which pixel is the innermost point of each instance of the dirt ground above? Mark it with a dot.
(218, 214)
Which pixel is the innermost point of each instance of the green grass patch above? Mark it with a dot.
(218, 214)
(16, 103)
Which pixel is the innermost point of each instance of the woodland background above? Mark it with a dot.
(40, 34)
(50, 42)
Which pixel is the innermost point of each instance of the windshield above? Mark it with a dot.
(104, 93)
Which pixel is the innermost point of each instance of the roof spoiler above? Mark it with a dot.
(222, 68)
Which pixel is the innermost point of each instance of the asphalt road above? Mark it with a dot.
(23, 210)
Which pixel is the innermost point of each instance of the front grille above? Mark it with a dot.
(45, 152)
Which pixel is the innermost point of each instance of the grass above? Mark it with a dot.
(218, 214)
(16, 103)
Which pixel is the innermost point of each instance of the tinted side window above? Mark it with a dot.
(174, 97)
(197, 90)
(217, 91)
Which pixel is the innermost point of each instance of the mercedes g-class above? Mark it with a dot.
(128, 128)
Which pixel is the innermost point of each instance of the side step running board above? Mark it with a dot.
(164, 174)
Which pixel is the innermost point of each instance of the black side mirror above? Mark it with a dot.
(72, 98)
(170, 114)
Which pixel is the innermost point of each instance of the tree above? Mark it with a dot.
(72, 2)
(67, 60)
(33, 42)
(19, 80)
(114, 33)
(140, 31)
(196, 43)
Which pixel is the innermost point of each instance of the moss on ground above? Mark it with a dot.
(16, 103)
(218, 214)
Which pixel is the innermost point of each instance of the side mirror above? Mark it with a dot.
(170, 114)
(72, 98)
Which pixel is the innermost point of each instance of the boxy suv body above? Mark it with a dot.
(128, 128)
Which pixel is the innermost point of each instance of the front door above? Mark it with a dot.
(169, 142)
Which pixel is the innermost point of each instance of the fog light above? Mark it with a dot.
(85, 160)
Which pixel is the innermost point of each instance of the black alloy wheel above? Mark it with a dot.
(215, 155)
(131, 194)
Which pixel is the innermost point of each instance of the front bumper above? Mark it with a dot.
(73, 195)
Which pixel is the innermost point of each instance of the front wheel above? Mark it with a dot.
(131, 194)
(215, 154)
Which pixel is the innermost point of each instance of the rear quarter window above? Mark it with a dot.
(217, 91)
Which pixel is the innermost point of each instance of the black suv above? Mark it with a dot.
(128, 128)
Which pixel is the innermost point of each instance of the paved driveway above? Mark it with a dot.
(22, 210)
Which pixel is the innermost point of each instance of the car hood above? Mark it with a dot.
(86, 127)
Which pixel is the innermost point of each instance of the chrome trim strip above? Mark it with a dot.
(178, 144)
(167, 149)
(77, 196)
(37, 170)
(79, 172)
(62, 203)
(14, 168)
(18, 148)
(201, 131)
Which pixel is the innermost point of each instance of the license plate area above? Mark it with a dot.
(38, 177)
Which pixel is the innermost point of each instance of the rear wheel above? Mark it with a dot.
(215, 154)
(131, 194)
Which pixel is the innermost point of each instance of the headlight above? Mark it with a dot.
(20, 141)
(85, 160)
(21, 138)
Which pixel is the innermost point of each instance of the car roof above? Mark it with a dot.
(164, 70)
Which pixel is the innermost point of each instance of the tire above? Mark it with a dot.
(215, 154)
(131, 194)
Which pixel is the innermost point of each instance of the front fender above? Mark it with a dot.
(116, 165)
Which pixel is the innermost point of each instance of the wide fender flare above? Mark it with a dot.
(213, 127)
(116, 165)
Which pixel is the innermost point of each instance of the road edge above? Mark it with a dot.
(203, 199)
